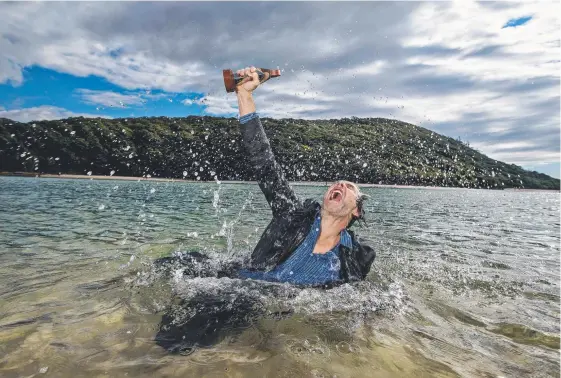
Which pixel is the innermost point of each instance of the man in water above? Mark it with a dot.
(306, 243)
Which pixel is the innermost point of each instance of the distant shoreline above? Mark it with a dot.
(296, 183)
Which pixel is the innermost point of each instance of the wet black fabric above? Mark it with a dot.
(211, 319)
(196, 264)
(205, 319)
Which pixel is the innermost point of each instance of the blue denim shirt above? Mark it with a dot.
(304, 267)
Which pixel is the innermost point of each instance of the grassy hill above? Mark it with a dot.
(365, 150)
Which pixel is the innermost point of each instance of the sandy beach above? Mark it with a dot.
(132, 178)
(296, 183)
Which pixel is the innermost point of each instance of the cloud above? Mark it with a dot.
(215, 105)
(42, 113)
(119, 100)
(10, 72)
(108, 98)
(179, 46)
(452, 67)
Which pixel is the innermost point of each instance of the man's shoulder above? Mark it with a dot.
(360, 258)
(310, 203)
(357, 240)
(307, 206)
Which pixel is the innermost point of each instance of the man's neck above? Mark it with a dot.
(331, 226)
(330, 233)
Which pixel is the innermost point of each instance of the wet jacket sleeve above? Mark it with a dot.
(273, 184)
(365, 256)
(359, 261)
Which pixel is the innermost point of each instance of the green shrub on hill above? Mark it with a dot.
(365, 150)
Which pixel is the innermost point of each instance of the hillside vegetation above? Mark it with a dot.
(372, 150)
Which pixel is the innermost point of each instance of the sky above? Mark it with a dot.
(486, 72)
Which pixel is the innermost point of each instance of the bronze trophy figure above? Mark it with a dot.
(231, 79)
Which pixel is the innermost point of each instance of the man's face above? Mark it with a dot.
(340, 199)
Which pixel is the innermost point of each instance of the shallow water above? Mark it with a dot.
(466, 283)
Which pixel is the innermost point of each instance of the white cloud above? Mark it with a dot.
(216, 105)
(497, 61)
(42, 113)
(10, 72)
(119, 100)
(525, 157)
(109, 99)
(369, 69)
(135, 70)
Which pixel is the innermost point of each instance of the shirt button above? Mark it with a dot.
(291, 272)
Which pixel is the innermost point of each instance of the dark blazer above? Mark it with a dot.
(292, 218)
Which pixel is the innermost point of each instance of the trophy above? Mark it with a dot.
(231, 79)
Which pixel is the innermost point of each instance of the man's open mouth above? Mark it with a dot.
(336, 195)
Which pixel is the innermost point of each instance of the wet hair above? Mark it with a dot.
(361, 213)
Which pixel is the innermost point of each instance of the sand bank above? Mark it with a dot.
(159, 179)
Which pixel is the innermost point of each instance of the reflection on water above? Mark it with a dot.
(466, 283)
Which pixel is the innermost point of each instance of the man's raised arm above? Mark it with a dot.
(272, 182)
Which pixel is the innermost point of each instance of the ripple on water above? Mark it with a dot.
(541, 295)
(344, 348)
(495, 265)
(308, 347)
(223, 353)
(522, 334)
(321, 373)
(447, 312)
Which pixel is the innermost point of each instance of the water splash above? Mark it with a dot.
(202, 280)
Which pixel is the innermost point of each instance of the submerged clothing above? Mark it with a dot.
(204, 319)
(292, 217)
(304, 267)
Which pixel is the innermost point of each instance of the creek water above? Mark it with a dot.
(465, 284)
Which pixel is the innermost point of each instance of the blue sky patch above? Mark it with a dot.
(95, 95)
(514, 22)
(551, 169)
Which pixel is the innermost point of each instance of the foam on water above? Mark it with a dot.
(198, 279)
